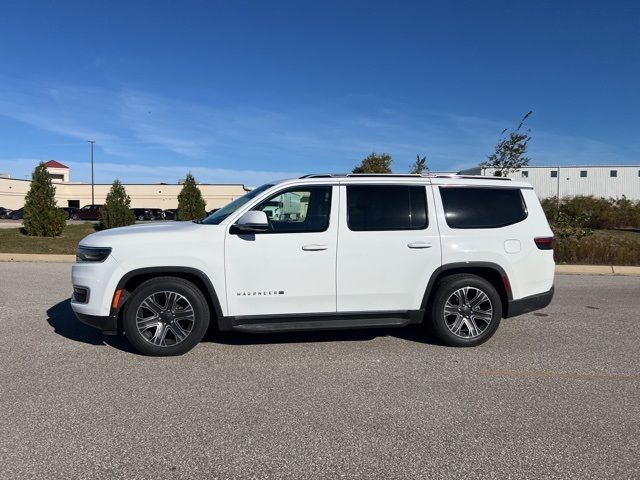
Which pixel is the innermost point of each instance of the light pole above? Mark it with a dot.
(93, 201)
(558, 195)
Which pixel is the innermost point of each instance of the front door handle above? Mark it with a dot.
(419, 245)
(314, 247)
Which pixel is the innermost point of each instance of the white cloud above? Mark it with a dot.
(161, 138)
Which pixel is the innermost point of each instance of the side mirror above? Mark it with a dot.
(251, 222)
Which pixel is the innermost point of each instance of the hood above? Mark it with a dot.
(147, 234)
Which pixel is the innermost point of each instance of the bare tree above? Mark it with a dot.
(510, 152)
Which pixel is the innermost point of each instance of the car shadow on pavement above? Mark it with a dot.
(64, 322)
(413, 333)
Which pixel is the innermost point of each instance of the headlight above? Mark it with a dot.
(92, 254)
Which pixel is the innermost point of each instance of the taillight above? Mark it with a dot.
(544, 243)
(507, 285)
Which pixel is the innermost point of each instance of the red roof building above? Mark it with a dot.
(54, 164)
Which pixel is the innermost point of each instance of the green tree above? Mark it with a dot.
(191, 205)
(116, 211)
(510, 152)
(375, 163)
(42, 217)
(419, 166)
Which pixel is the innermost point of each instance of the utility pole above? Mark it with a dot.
(93, 200)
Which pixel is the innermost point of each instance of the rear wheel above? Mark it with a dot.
(466, 310)
(166, 316)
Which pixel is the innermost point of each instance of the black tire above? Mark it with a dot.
(157, 286)
(74, 217)
(440, 324)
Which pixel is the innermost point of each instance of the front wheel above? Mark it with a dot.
(166, 316)
(466, 310)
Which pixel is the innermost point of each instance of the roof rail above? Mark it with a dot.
(344, 175)
(470, 177)
(324, 175)
(410, 175)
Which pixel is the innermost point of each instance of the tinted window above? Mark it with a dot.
(300, 209)
(386, 207)
(554, 173)
(583, 173)
(482, 207)
(613, 173)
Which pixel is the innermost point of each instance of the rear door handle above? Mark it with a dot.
(419, 245)
(314, 247)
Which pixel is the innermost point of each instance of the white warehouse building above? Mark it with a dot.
(608, 181)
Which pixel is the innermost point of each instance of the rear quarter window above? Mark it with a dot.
(482, 207)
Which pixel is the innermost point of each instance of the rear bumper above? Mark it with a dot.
(529, 304)
(108, 324)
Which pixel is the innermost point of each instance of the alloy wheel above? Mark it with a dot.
(468, 312)
(165, 318)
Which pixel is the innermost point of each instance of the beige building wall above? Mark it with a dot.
(58, 174)
(13, 191)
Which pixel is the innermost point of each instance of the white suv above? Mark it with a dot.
(325, 252)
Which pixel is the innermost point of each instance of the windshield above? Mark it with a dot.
(218, 216)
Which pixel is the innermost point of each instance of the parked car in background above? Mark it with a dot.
(17, 214)
(157, 213)
(89, 212)
(5, 212)
(171, 214)
(142, 214)
(72, 212)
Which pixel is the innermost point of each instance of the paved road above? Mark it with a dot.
(552, 395)
(4, 223)
(10, 223)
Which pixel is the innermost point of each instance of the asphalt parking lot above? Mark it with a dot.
(554, 394)
(4, 223)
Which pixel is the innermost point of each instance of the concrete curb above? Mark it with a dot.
(597, 270)
(36, 257)
(560, 269)
(584, 269)
(629, 271)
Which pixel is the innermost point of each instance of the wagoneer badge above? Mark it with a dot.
(265, 293)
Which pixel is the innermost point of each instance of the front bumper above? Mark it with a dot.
(529, 304)
(100, 280)
(108, 325)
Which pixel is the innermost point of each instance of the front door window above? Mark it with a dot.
(299, 210)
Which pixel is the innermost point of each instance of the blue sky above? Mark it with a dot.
(252, 91)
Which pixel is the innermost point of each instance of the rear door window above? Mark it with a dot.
(386, 207)
(482, 207)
